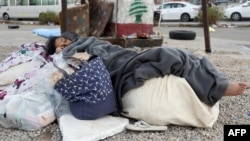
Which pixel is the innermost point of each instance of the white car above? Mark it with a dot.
(179, 10)
(238, 12)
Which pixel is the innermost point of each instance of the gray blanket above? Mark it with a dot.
(129, 69)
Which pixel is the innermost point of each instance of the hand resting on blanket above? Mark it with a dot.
(59, 75)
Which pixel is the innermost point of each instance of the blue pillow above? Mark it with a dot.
(47, 33)
(89, 91)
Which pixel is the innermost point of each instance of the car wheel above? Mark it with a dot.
(6, 16)
(235, 16)
(13, 26)
(182, 35)
(185, 17)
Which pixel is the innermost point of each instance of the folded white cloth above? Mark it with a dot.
(90, 130)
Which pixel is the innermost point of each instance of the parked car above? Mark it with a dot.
(178, 10)
(238, 12)
(196, 2)
(218, 2)
(243, 1)
(156, 7)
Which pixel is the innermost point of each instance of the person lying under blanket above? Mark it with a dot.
(146, 86)
(129, 69)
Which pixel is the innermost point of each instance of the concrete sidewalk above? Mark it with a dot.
(16, 37)
(243, 23)
(232, 47)
(236, 49)
(232, 42)
(197, 24)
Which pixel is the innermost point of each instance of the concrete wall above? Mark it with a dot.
(132, 16)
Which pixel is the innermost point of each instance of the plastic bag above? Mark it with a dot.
(28, 111)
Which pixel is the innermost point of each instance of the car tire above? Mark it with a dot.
(182, 35)
(6, 16)
(235, 16)
(185, 17)
(13, 26)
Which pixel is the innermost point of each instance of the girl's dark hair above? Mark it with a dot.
(50, 47)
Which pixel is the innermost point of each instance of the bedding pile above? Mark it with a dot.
(26, 88)
(30, 102)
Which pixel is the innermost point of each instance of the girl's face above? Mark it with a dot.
(61, 43)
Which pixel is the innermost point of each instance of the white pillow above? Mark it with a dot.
(168, 100)
(10, 75)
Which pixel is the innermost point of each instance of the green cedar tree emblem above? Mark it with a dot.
(137, 8)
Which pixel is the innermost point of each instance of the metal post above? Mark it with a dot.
(159, 22)
(64, 16)
(206, 26)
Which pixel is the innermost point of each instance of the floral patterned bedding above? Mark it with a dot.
(25, 102)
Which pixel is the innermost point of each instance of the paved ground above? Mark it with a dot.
(15, 37)
(232, 110)
(232, 40)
